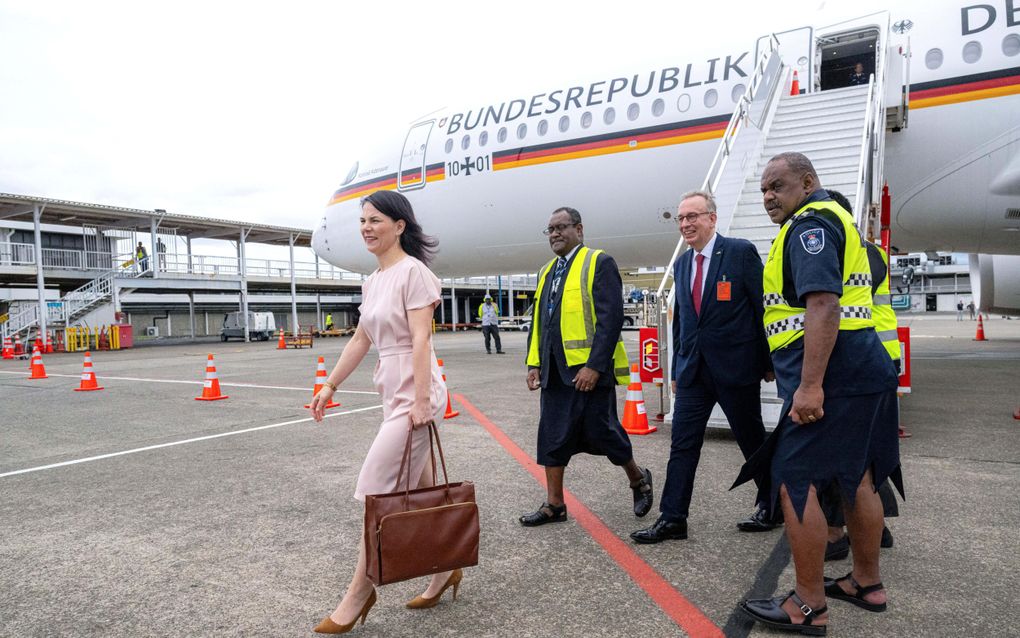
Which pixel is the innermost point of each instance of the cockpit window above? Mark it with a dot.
(351, 175)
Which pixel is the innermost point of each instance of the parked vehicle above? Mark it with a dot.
(261, 326)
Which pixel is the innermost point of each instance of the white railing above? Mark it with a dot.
(763, 72)
(81, 299)
(871, 163)
(22, 320)
(12, 254)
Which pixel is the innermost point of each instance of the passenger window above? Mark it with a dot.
(543, 127)
(633, 111)
(1011, 45)
(711, 97)
(658, 107)
(609, 116)
(483, 138)
(586, 119)
(933, 59)
(522, 131)
(683, 103)
(564, 123)
(501, 136)
(449, 145)
(971, 52)
(465, 142)
(738, 92)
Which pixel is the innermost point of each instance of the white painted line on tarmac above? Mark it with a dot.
(222, 383)
(194, 440)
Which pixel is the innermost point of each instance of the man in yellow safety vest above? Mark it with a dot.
(576, 356)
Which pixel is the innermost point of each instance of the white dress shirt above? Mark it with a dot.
(707, 252)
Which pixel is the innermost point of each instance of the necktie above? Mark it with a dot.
(698, 278)
(561, 266)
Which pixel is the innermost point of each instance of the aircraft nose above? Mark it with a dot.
(319, 242)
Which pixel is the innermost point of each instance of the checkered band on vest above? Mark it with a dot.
(796, 322)
(859, 279)
(774, 299)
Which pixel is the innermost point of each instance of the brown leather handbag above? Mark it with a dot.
(413, 533)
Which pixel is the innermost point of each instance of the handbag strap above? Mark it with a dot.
(405, 461)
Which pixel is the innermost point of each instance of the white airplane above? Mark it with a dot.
(484, 177)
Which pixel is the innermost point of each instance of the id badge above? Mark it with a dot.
(722, 290)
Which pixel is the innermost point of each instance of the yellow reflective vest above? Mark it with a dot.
(784, 322)
(883, 313)
(577, 316)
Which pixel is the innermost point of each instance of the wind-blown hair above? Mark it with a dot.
(413, 240)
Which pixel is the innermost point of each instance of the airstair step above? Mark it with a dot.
(836, 95)
(814, 133)
(793, 106)
(812, 124)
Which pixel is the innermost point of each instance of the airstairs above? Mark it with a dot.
(842, 131)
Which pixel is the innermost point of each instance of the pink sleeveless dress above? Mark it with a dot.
(387, 296)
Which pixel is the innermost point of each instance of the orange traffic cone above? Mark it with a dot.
(8, 351)
(635, 420)
(49, 343)
(980, 336)
(19, 350)
(450, 412)
(38, 369)
(88, 377)
(281, 344)
(320, 380)
(211, 388)
(1016, 415)
(795, 87)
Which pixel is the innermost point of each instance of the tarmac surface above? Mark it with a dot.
(137, 511)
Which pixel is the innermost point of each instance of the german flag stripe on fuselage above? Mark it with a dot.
(966, 88)
(433, 173)
(650, 137)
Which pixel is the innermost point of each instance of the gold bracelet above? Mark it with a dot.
(329, 384)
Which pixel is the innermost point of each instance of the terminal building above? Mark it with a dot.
(69, 264)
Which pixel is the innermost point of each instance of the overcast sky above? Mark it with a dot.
(252, 110)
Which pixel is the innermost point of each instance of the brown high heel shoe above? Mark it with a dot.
(327, 626)
(420, 602)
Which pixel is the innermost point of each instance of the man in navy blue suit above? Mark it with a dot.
(720, 356)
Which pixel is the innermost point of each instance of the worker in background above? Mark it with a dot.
(838, 385)
(329, 321)
(489, 315)
(142, 257)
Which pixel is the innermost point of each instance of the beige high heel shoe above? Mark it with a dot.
(420, 602)
(327, 626)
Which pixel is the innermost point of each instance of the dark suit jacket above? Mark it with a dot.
(728, 335)
(607, 293)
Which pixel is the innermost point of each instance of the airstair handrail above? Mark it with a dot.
(870, 164)
(722, 153)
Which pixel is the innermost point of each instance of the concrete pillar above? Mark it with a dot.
(153, 257)
(191, 268)
(499, 294)
(453, 304)
(442, 307)
(510, 296)
(243, 269)
(191, 312)
(40, 278)
(318, 303)
(467, 310)
(293, 287)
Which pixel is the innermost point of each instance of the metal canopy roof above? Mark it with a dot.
(64, 213)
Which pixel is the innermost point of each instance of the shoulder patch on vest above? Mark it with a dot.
(813, 240)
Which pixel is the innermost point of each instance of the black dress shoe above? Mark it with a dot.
(545, 514)
(770, 612)
(760, 521)
(838, 550)
(500, 352)
(643, 494)
(663, 530)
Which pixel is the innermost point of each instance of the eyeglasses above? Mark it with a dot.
(558, 228)
(690, 218)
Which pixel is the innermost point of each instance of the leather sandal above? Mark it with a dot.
(545, 514)
(770, 612)
(833, 590)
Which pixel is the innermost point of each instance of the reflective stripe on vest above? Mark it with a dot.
(577, 316)
(784, 322)
(885, 316)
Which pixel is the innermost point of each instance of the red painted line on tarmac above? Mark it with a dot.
(673, 603)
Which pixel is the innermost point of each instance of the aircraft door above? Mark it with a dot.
(797, 47)
(412, 159)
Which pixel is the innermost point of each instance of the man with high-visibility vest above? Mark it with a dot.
(838, 386)
(576, 355)
(488, 314)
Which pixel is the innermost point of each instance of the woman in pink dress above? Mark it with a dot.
(397, 306)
